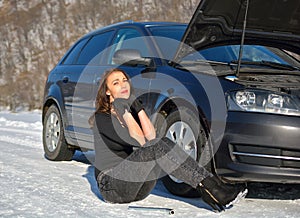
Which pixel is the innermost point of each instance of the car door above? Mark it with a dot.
(78, 88)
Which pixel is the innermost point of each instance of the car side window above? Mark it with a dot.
(129, 38)
(72, 56)
(91, 53)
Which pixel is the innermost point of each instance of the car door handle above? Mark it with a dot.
(97, 80)
(65, 79)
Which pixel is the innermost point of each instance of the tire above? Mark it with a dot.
(184, 120)
(54, 142)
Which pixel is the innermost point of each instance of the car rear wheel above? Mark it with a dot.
(183, 128)
(55, 145)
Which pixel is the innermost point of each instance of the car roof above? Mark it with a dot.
(145, 24)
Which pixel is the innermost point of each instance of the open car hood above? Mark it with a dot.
(221, 22)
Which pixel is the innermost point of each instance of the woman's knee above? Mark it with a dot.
(117, 191)
(145, 190)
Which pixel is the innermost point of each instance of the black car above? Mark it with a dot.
(226, 87)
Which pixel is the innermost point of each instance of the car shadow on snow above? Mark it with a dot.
(272, 191)
(161, 191)
(88, 158)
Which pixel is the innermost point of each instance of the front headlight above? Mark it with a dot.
(263, 101)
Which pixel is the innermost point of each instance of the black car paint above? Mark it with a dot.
(256, 134)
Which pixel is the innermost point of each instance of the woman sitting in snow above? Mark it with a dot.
(129, 158)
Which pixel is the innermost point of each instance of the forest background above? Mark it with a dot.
(34, 35)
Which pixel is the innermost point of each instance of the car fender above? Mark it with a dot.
(202, 93)
(53, 95)
(166, 103)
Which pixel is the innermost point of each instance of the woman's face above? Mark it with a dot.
(117, 86)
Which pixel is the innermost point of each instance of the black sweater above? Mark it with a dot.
(112, 142)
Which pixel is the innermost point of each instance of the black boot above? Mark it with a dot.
(220, 195)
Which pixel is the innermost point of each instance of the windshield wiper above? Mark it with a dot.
(271, 64)
(204, 62)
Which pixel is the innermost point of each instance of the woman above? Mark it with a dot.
(129, 158)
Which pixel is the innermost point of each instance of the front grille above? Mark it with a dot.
(265, 156)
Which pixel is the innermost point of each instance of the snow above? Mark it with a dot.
(32, 186)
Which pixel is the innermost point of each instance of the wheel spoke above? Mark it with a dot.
(56, 130)
(189, 143)
(53, 144)
(171, 134)
(182, 131)
(48, 140)
(52, 117)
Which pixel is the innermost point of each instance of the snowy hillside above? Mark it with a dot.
(32, 186)
(35, 34)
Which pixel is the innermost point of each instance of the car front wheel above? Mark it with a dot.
(183, 129)
(55, 145)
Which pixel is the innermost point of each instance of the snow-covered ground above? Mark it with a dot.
(31, 186)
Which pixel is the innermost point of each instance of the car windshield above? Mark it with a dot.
(254, 55)
(168, 38)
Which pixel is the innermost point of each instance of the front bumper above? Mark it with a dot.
(260, 147)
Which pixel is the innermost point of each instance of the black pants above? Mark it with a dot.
(136, 176)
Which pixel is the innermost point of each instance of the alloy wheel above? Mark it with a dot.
(52, 132)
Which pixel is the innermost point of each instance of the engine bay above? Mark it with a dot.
(289, 84)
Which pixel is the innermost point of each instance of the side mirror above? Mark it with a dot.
(131, 57)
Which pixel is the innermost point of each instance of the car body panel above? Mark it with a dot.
(256, 145)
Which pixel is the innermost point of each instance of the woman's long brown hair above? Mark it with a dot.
(102, 102)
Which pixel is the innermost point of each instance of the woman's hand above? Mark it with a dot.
(135, 104)
(123, 110)
(121, 105)
(132, 104)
